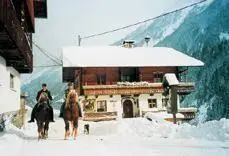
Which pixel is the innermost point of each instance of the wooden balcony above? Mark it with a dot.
(15, 41)
(40, 8)
(185, 88)
(122, 89)
(189, 113)
(138, 88)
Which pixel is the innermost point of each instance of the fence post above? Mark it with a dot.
(22, 109)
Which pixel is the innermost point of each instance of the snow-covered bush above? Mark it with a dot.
(2, 122)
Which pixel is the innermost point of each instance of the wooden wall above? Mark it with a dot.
(146, 73)
(89, 75)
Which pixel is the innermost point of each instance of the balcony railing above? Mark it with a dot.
(134, 88)
(124, 90)
(186, 87)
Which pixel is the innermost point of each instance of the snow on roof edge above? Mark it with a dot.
(149, 57)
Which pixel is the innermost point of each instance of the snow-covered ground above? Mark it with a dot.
(126, 137)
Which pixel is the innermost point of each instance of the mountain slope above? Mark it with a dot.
(199, 36)
(52, 77)
(203, 34)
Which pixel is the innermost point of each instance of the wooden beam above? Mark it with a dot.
(40, 8)
(16, 36)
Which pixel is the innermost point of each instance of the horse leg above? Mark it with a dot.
(67, 133)
(43, 130)
(75, 133)
(75, 128)
(39, 130)
(72, 127)
(46, 128)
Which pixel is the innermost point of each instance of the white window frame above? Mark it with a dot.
(150, 102)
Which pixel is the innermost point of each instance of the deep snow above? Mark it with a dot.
(137, 136)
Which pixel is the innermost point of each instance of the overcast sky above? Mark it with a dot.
(68, 18)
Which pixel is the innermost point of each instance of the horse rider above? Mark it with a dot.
(70, 87)
(34, 111)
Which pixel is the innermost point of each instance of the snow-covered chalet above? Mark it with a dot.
(126, 81)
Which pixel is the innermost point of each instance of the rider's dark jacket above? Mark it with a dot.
(47, 92)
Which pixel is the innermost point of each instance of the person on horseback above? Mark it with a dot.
(43, 116)
(34, 111)
(70, 88)
(71, 115)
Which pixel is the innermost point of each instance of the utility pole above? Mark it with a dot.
(147, 39)
(79, 40)
(170, 89)
(173, 98)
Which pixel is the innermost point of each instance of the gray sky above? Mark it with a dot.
(68, 18)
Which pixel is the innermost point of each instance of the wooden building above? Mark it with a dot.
(126, 81)
(16, 27)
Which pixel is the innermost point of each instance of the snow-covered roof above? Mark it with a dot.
(115, 56)
(171, 79)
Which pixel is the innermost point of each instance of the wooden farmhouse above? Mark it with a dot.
(126, 81)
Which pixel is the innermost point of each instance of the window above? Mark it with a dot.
(102, 106)
(129, 74)
(164, 102)
(125, 78)
(152, 103)
(158, 76)
(101, 79)
(11, 81)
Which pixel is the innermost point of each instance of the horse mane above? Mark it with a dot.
(72, 98)
(43, 97)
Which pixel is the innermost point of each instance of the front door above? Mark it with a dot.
(127, 109)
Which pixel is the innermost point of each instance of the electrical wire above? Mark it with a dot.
(144, 21)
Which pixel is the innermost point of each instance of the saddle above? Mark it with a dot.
(41, 105)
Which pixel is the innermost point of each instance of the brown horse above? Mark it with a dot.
(71, 114)
(43, 116)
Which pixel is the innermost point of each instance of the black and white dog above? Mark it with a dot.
(86, 129)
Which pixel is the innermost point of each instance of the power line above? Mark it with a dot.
(144, 21)
(47, 53)
(53, 58)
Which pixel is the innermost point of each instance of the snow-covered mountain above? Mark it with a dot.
(202, 32)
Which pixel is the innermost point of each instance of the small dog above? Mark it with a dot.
(86, 129)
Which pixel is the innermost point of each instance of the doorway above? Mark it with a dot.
(128, 109)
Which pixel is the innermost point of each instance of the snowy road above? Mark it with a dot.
(129, 137)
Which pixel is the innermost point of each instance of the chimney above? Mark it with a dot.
(128, 43)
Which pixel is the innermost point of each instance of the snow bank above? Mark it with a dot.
(212, 130)
(155, 117)
(156, 127)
